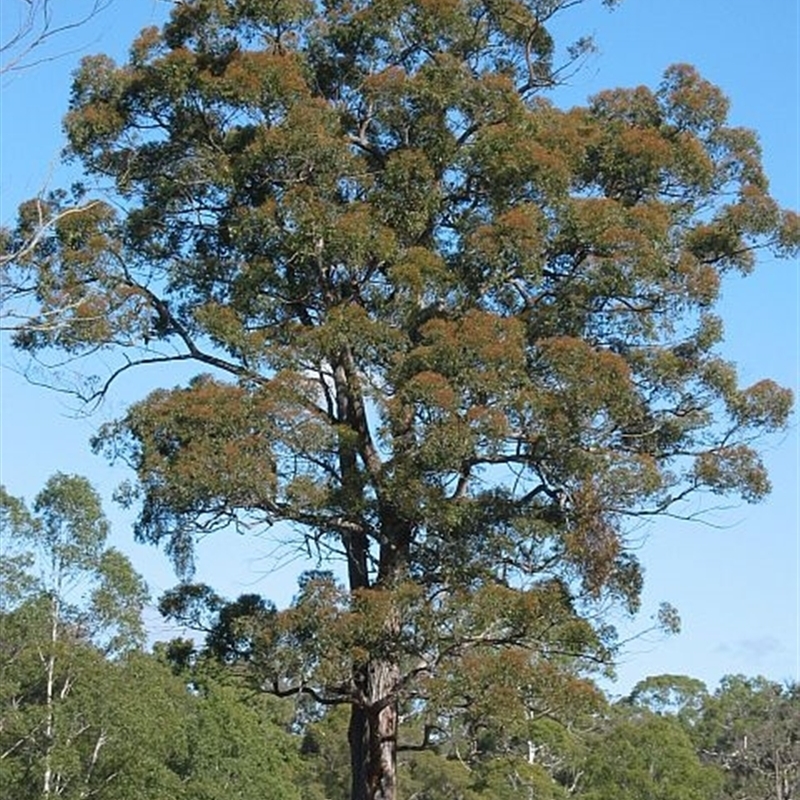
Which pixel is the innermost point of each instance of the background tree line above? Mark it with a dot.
(86, 711)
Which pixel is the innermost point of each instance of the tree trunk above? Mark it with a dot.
(358, 738)
(373, 734)
(373, 726)
(47, 781)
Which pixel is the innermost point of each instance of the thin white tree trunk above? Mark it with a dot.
(50, 715)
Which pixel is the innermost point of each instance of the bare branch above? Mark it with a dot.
(37, 26)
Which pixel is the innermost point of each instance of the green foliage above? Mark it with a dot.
(747, 731)
(129, 730)
(679, 695)
(85, 713)
(324, 749)
(477, 679)
(647, 756)
(440, 773)
(235, 750)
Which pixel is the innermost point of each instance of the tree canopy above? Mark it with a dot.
(452, 333)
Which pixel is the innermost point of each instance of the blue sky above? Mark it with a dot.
(735, 581)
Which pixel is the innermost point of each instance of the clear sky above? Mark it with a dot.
(736, 582)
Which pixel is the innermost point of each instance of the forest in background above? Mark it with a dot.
(86, 711)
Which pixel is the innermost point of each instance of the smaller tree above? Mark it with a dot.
(62, 587)
(678, 695)
(60, 552)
